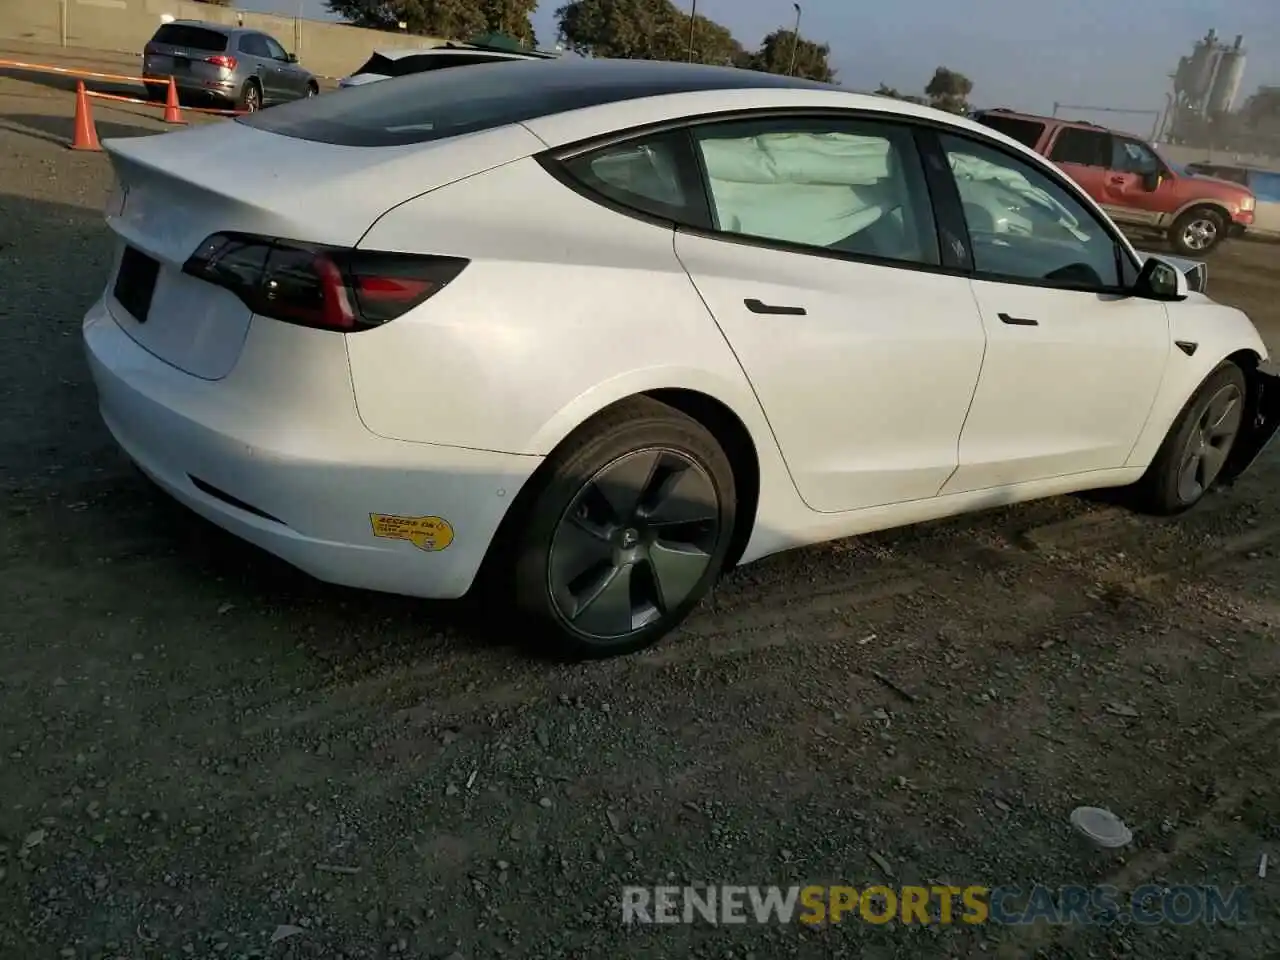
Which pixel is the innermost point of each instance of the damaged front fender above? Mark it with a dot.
(1262, 418)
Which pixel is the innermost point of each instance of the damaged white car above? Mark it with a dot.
(588, 333)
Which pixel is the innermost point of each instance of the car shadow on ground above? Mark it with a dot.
(60, 130)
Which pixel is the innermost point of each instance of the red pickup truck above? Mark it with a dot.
(1136, 187)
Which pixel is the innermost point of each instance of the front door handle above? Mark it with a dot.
(1018, 321)
(758, 306)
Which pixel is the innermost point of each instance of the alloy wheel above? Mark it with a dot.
(634, 544)
(1200, 234)
(1210, 443)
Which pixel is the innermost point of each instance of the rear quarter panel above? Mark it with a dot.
(566, 307)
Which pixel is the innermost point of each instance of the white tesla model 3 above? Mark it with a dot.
(591, 332)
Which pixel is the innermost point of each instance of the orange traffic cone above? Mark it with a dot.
(85, 134)
(172, 112)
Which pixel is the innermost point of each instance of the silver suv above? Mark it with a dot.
(246, 69)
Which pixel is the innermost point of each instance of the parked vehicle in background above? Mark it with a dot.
(385, 64)
(241, 68)
(1132, 182)
(1263, 184)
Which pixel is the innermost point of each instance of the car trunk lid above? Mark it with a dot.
(175, 190)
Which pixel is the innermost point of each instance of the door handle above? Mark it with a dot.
(758, 306)
(1018, 321)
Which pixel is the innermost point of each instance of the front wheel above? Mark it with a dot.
(1197, 446)
(628, 531)
(1197, 232)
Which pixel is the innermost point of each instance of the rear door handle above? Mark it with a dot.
(759, 306)
(1018, 321)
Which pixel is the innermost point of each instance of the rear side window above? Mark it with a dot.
(1026, 132)
(643, 175)
(255, 46)
(1089, 148)
(193, 38)
(1265, 186)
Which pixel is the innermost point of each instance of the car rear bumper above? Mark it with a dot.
(223, 90)
(303, 487)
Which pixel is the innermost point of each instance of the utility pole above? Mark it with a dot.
(795, 42)
(693, 22)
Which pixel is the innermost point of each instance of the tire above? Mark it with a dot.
(312, 90)
(597, 526)
(250, 97)
(1197, 232)
(1165, 489)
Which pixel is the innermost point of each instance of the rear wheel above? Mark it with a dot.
(1197, 446)
(1197, 231)
(312, 89)
(627, 532)
(251, 97)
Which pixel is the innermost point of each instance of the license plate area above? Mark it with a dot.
(136, 283)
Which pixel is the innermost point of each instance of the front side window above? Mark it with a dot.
(1025, 226)
(843, 186)
(1133, 156)
(274, 50)
(1088, 148)
(254, 45)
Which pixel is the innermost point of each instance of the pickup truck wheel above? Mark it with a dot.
(1197, 231)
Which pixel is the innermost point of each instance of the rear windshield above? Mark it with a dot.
(1026, 132)
(193, 38)
(449, 103)
(376, 64)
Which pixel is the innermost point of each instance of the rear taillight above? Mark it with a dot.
(222, 60)
(328, 288)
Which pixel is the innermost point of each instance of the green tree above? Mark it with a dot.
(884, 91)
(452, 19)
(511, 17)
(643, 30)
(779, 48)
(949, 90)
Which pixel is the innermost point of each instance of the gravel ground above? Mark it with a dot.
(200, 747)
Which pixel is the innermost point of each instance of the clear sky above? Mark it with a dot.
(1025, 54)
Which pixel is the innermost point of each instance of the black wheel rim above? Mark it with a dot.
(634, 543)
(1210, 443)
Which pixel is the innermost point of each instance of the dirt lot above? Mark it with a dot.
(199, 745)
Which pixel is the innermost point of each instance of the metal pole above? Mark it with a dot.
(63, 12)
(795, 42)
(693, 22)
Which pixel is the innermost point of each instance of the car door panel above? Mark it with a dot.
(824, 280)
(1072, 365)
(867, 390)
(1065, 391)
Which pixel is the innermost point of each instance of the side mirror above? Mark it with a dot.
(1151, 181)
(1161, 280)
(291, 57)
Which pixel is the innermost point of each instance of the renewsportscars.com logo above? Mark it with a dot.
(1148, 905)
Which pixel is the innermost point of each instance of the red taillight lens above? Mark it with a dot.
(328, 288)
(222, 60)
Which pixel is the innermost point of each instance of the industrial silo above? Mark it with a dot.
(1227, 80)
(1197, 76)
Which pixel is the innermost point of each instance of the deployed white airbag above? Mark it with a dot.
(810, 188)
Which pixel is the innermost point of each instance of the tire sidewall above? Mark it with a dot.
(580, 462)
(1168, 462)
(1196, 213)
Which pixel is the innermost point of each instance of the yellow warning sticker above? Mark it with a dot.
(425, 533)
